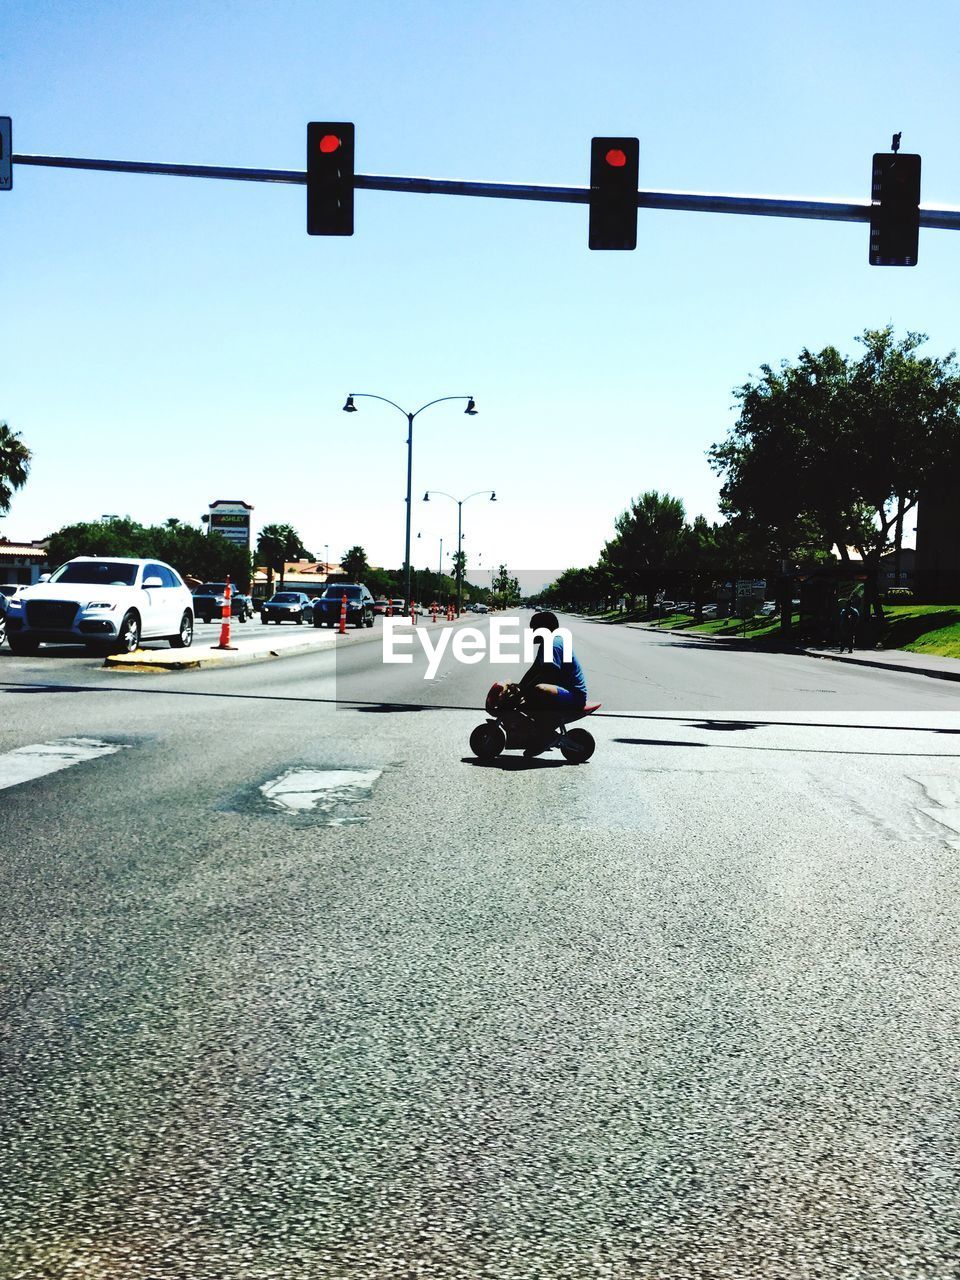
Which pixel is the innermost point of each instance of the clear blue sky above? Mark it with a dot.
(169, 341)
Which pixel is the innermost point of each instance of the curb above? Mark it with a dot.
(167, 660)
(140, 662)
(935, 673)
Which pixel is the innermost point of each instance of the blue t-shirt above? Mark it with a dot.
(570, 674)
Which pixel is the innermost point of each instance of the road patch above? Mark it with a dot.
(331, 792)
(23, 764)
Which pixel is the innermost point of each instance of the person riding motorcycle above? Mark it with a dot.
(552, 690)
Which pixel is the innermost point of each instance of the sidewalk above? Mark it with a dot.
(917, 664)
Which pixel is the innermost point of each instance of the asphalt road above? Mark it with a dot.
(294, 988)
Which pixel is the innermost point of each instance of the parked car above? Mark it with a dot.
(326, 612)
(380, 606)
(208, 601)
(768, 608)
(285, 606)
(479, 608)
(103, 604)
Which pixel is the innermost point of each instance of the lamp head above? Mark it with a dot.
(349, 407)
(493, 496)
(426, 496)
(471, 408)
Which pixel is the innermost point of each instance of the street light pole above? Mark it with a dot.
(460, 501)
(350, 407)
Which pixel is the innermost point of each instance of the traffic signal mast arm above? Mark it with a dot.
(688, 201)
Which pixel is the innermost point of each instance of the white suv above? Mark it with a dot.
(103, 604)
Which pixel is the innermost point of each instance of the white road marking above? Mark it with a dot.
(298, 790)
(26, 763)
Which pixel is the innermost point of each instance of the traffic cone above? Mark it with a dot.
(225, 621)
(343, 615)
(413, 612)
(389, 608)
(433, 610)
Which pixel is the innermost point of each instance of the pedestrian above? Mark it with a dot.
(849, 621)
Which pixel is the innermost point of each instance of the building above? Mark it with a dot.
(308, 576)
(21, 563)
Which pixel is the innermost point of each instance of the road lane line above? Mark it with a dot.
(40, 758)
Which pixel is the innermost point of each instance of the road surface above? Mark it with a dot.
(294, 989)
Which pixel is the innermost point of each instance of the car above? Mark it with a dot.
(380, 606)
(399, 607)
(768, 608)
(6, 590)
(208, 602)
(479, 608)
(285, 606)
(360, 602)
(104, 603)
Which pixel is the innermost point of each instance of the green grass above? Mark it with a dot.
(932, 629)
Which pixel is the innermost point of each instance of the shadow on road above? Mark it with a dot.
(789, 751)
(512, 764)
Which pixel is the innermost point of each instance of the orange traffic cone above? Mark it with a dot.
(413, 612)
(433, 610)
(389, 608)
(343, 615)
(225, 620)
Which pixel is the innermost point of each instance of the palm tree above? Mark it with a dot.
(14, 465)
(355, 563)
(277, 544)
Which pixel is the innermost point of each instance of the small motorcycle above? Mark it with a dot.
(511, 727)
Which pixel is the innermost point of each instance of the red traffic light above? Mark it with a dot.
(329, 142)
(616, 158)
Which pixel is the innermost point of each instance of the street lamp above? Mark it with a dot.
(350, 407)
(439, 493)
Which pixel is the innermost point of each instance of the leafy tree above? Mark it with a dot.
(646, 553)
(355, 564)
(276, 545)
(192, 552)
(505, 588)
(832, 450)
(15, 460)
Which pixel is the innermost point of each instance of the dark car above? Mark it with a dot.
(208, 602)
(326, 610)
(285, 606)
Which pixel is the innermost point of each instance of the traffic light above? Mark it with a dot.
(614, 174)
(329, 179)
(6, 153)
(895, 212)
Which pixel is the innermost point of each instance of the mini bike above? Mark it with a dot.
(513, 728)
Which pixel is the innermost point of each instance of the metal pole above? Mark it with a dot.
(440, 570)
(409, 505)
(690, 201)
(459, 556)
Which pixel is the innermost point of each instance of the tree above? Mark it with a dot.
(506, 589)
(192, 552)
(355, 564)
(831, 450)
(276, 544)
(15, 460)
(645, 555)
